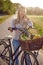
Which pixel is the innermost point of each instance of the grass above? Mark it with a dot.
(38, 23)
(2, 18)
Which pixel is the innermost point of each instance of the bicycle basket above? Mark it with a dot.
(31, 45)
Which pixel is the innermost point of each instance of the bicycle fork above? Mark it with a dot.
(10, 54)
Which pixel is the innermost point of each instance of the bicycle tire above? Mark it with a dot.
(23, 61)
(4, 53)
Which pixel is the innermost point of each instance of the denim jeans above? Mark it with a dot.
(15, 45)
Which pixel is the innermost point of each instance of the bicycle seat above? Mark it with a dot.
(7, 37)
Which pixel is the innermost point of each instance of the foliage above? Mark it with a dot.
(6, 7)
(34, 11)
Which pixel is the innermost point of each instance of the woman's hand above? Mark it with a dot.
(10, 28)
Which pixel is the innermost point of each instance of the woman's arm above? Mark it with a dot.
(30, 24)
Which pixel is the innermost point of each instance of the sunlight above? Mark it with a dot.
(30, 3)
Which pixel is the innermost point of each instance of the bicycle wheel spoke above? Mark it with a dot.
(4, 53)
(5, 58)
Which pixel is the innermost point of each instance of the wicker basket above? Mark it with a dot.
(31, 45)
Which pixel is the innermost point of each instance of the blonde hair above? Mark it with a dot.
(21, 8)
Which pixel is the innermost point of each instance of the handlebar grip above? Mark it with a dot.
(14, 28)
(8, 29)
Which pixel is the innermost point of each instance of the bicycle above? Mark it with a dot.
(6, 43)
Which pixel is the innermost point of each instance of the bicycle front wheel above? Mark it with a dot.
(4, 53)
(32, 57)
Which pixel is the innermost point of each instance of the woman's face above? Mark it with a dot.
(21, 13)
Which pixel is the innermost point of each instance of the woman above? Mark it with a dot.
(20, 22)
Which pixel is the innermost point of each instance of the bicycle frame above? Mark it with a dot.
(11, 55)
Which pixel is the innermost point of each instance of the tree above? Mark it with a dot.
(6, 7)
(34, 11)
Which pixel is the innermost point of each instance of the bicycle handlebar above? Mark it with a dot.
(24, 30)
